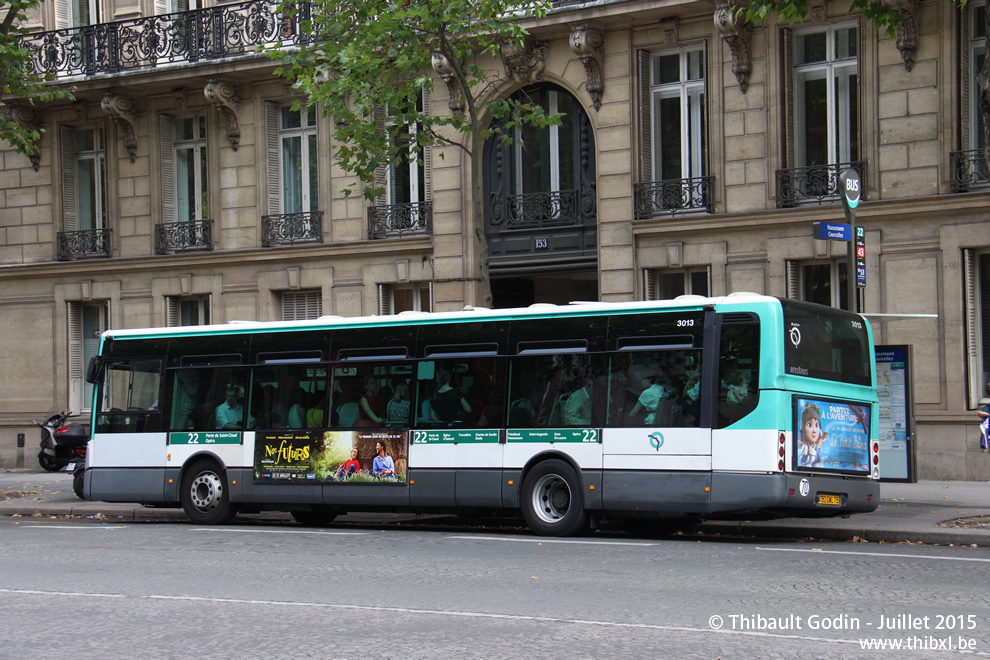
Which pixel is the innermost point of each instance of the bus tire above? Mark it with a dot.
(552, 503)
(205, 497)
(318, 517)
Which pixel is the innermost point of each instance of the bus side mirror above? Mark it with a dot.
(94, 370)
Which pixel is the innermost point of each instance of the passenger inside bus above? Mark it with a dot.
(230, 414)
(448, 405)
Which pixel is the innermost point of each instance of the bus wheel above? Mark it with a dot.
(204, 494)
(318, 517)
(552, 504)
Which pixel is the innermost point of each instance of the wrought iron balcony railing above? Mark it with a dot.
(542, 209)
(291, 228)
(192, 236)
(400, 219)
(969, 170)
(800, 186)
(674, 196)
(86, 244)
(186, 37)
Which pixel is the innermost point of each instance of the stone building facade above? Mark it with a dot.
(180, 187)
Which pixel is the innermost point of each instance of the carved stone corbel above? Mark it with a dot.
(907, 30)
(816, 11)
(121, 110)
(28, 120)
(223, 96)
(736, 32)
(587, 43)
(444, 69)
(525, 65)
(670, 27)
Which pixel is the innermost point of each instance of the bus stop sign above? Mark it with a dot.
(849, 182)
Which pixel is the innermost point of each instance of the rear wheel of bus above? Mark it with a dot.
(552, 503)
(205, 497)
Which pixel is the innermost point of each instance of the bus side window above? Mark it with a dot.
(738, 373)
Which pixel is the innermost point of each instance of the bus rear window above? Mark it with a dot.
(823, 342)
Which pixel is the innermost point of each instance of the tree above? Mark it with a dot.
(886, 15)
(368, 62)
(20, 83)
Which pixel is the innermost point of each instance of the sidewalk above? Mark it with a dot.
(907, 512)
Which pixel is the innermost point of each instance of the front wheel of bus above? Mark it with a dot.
(552, 504)
(205, 498)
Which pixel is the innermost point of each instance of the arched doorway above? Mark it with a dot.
(541, 216)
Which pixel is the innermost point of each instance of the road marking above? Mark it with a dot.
(885, 555)
(541, 541)
(42, 526)
(277, 531)
(452, 613)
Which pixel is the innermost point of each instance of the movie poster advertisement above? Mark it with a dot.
(308, 456)
(832, 435)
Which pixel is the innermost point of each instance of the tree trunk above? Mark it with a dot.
(478, 210)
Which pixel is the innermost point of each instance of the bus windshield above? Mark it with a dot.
(822, 342)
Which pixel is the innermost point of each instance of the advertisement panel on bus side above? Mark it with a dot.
(307, 456)
(831, 435)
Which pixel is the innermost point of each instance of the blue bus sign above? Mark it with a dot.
(833, 231)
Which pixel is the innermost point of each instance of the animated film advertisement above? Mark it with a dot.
(308, 456)
(832, 435)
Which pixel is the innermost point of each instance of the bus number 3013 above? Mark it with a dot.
(685, 323)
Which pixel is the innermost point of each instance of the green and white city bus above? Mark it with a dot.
(641, 413)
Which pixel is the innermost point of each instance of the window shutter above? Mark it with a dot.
(75, 340)
(793, 276)
(69, 205)
(645, 119)
(162, 7)
(649, 284)
(385, 300)
(787, 48)
(427, 194)
(172, 312)
(63, 15)
(971, 299)
(381, 172)
(300, 305)
(167, 126)
(964, 77)
(274, 168)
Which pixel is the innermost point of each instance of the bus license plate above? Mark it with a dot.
(829, 500)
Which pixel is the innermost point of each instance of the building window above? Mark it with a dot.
(84, 178)
(677, 113)
(826, 95)
(977, 297)
(293, 173)
(976, 45)
(395, 298)
(302, 305)
(86, 321)
(181, 311)
(668, 284)
(184, 170)
(406, 179)
(824, 283)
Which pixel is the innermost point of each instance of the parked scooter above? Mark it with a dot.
(63, 444)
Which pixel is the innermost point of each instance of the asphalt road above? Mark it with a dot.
(83, 588)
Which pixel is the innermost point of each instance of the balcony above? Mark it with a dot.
(817, 184)
(292, 228)
(969, 170)
(213, 33)
(193, 236)
(674, 196)
(541, 209)
(391, 220)
(86, 244)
